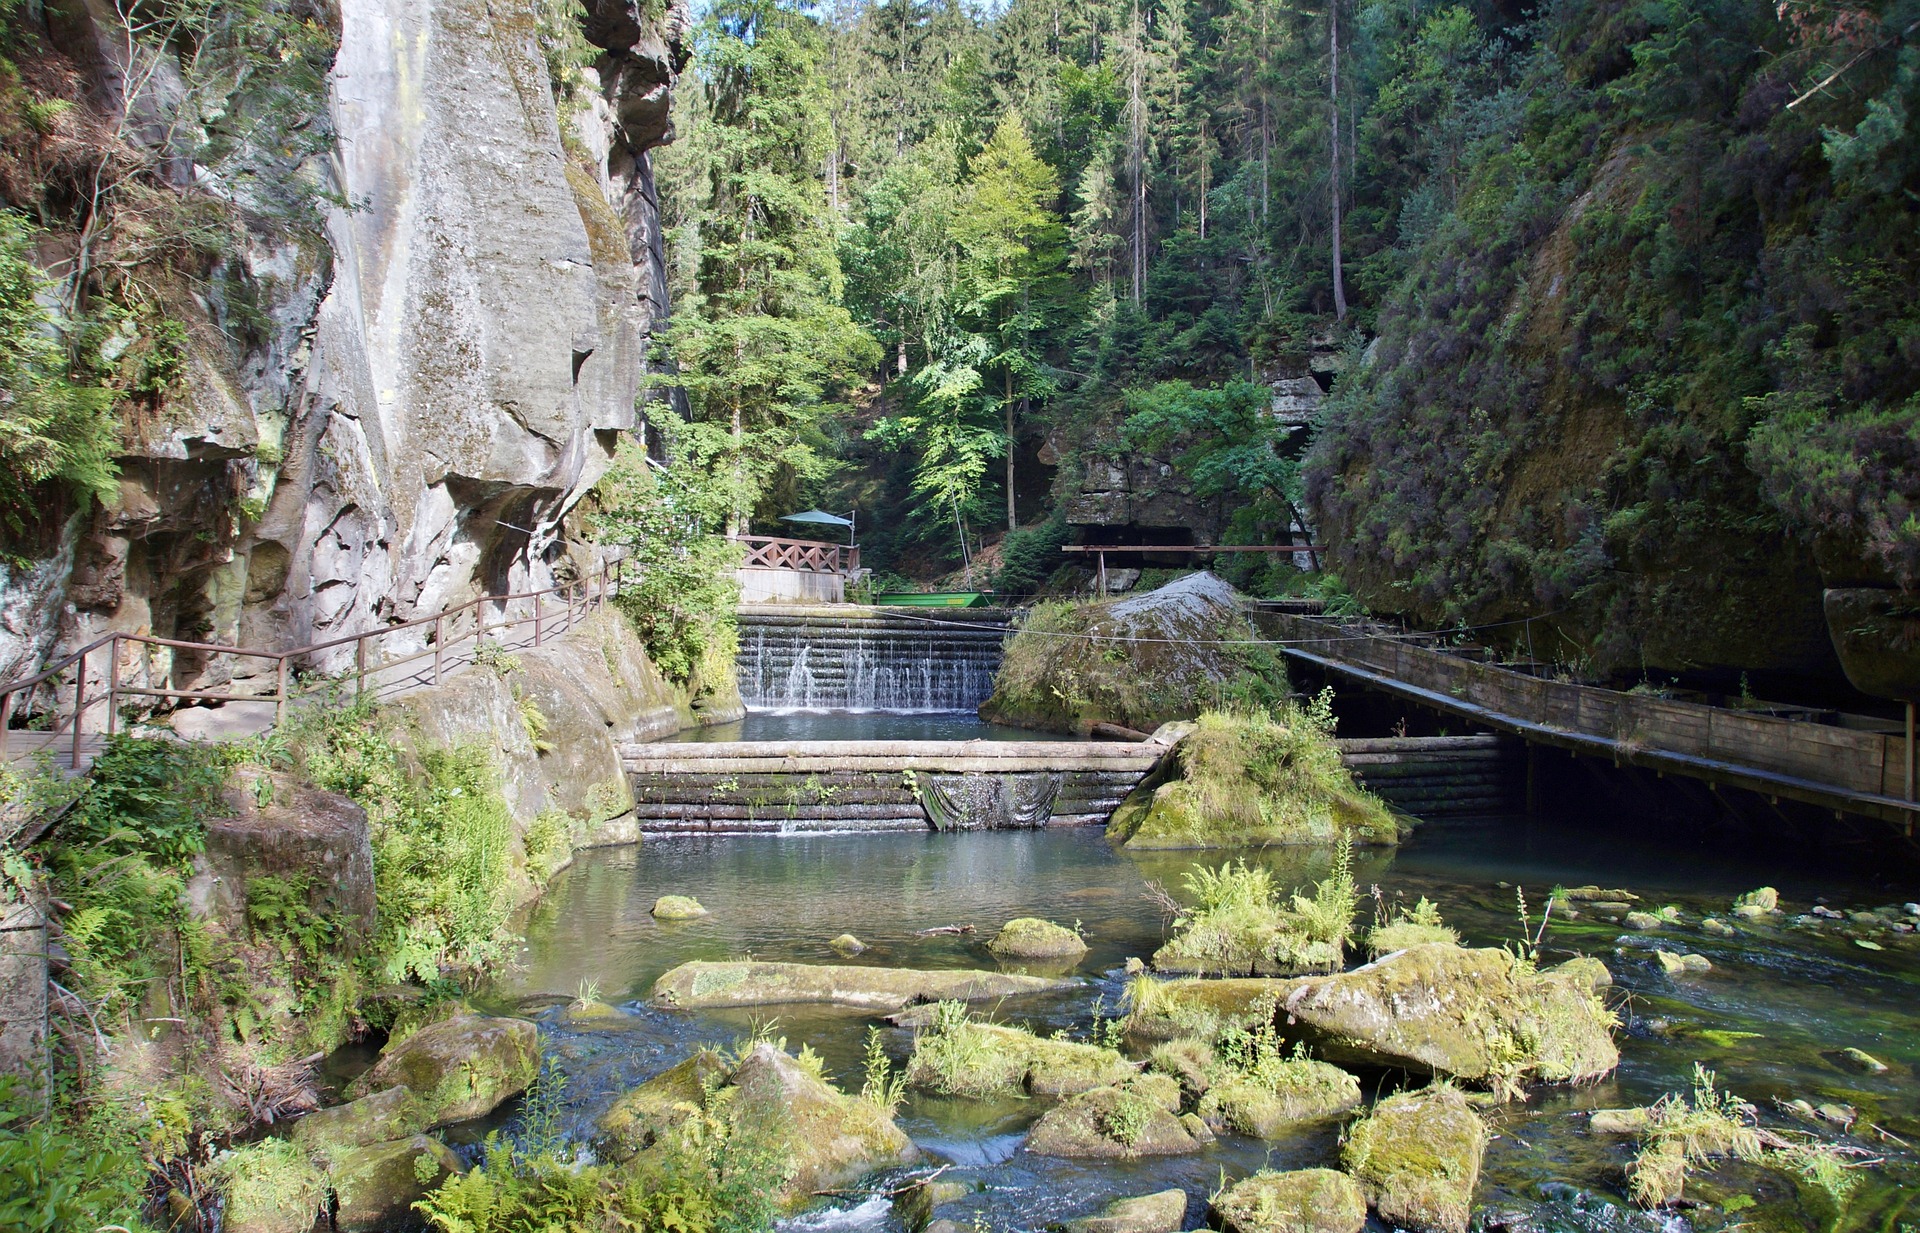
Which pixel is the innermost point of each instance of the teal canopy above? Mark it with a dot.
(818, 515)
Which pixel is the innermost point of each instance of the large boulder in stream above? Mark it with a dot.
(958, 1057)
(1137, 662)
(376, 1185)
(1472, 1014)
(830, 1139)
(1136, 1118)
(1417, 1158)
(1301, 1201)
(703, 985)
(458, 1068)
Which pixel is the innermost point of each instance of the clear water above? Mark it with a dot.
(824, 725)
(1802, 995)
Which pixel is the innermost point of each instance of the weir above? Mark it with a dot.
(848, 658)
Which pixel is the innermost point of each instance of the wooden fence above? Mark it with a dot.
(804, 555)
(1863, 772)
(576, 599)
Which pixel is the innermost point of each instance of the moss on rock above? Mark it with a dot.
(677, 907)
(642, 1116)
(1417, 1159)
(958, 1057)
(1279, 1097)
(1135, 1118)
(376, 1185)
(1028, 937)
(458, 1068)
(270, 1187)
(1251, 779)
(1163, 1212)
(1302, 1201)
(1137, 662)
(389, 1114)
(705, 985)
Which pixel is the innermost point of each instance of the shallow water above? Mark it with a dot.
(801, 725)
(1802, 993)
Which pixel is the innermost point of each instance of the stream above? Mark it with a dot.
(1769, 1018)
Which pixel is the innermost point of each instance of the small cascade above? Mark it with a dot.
(793, 662)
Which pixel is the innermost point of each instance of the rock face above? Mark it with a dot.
(418, 391)
(1165, 667)
(458, 1068)
(830, 1139)
(702, 985)
(278, 828)
(1303, 1201)
(1418, 1159)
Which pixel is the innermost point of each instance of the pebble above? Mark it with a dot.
(1642, 920)
(1911, 909)
(1842, 1116)
(1826, 913)
(1676, 964)
(1862, 1061)
(1717, 927)
(1864, 944)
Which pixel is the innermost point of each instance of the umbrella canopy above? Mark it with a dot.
(817, 515)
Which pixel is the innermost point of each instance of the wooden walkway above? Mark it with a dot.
(1866, 773)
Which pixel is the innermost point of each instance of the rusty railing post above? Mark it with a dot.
(280, 691)
(439, 643)
(79, 707)
(113, 685)
(359, 667)
(6, 722)
(539, 631)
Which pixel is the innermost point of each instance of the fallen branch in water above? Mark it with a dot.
(943, 929)
(895, 1193)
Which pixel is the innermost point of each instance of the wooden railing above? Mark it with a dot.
(805, 555)
(576, 600)
(1860, 771)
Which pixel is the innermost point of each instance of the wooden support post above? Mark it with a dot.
(113, 685)
(280, 691)
(439, 643)
(1101, 582)
(79, 708)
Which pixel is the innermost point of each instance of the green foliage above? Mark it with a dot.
(147, 796)
(281, 909)
(58, 1176)
(53, 429)
(677, 586)
(881, 1088)
(1227, 441)
(1240, 925)
(1029, 556)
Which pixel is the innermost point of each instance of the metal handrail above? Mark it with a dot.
(608, 579)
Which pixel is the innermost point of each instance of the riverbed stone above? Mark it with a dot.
(1677, 965)
(1417, 1159)
(678, 907)
(1301, 1201)
(705, 985)
(847, 944)
(1861, 1062)
(376, 1185)
(1031, 938)
(1300, 1093)
(1126, 1120)
(1643, 921)
(1599, 895)
(990, 1059)
(1619, 1121)
(1717, 927)
(644, 1115)
(389, 1114)
(1162, 1212)
(914, 1206)
(460, 1067)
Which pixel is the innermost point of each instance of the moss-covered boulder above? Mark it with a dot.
(1253, 778)
(958, 1057)
(1473, 1014)
(702, 985)
(1279, 1097)
(1136, 662)
(1031, 938)
(1167, 1010)
(1417, 1158)
(1163, 1212)
(376, 1185)
(270, 1187)
(1135, 1118)
(1302, 1201)
(458, 1068)
(678, 907)
(827, 1138)
(914, 1207)
(389, 1114)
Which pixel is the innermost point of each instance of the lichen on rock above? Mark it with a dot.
(1417, 1158)
(956, 1056)
(1300, 1201)
(458, 1068)
(1136, 662)
(1136, 1118)
(1028, 937)
(705, 985)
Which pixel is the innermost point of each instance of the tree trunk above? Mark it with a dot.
(1013, 517)
(1333, 187)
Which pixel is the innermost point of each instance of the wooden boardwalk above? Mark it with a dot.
(1866, 773)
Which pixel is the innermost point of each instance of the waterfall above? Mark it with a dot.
(790, 663)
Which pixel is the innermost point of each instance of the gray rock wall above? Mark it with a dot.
(429, 387)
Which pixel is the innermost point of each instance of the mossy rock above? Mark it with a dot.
(1302, 1201)
(1417, 1159)
(1252, 779)
(914, 1206)
(592, 1013)
(1163, 1212)
(988, 1059)
(828, 1139)
(1031, 938)
(270, 1187)
(641, 1117)
(1127, 1120)
(1187, 1060)
(847, 944)
(1298, 1093)
(678, 907)
(376, 1185)
(1400, 935)
(459, 1068)
(702, 985)
(1258, 945)
(1447, 1010)
(386, 1115)
(1137, 662)
(1171, 1009)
